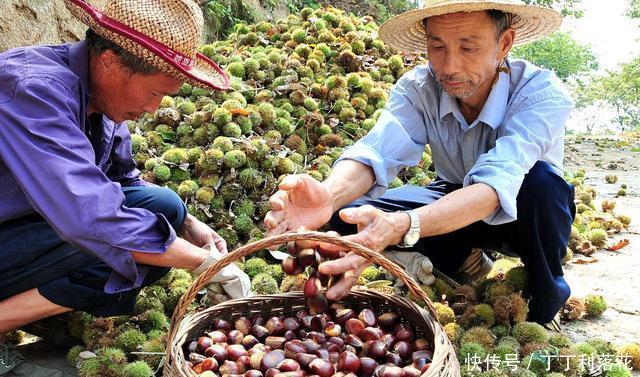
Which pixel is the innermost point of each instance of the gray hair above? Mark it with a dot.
(501, 21)
(98, 44)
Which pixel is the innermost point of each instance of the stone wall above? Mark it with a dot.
(33, 22)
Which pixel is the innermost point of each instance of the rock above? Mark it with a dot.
(34, 22)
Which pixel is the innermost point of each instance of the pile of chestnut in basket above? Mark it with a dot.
(327, 340)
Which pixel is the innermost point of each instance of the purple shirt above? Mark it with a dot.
(57, 162)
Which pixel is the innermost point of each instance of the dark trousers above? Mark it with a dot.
(34, 256)
(539, 236)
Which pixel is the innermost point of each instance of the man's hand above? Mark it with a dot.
(300, 203)
(200, 234)
(376, 230)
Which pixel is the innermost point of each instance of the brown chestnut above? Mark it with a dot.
(389, 371)
(292, 348)
(388, 320)
(249, 341)
(348, 362)
(259, 332)
(377, 349)
(312, 287)
(393, 358)
(403, 332)
(243, 324)
(231, 367)
(235, 337)
(403, 349)
(420, 344)
(305, 358)
(426, 354)
(252, 373)
(204, 342)
(410, 371)
(367, 317)
(291, 323)
(317, 304)
(306, 257)
(343, 315)
(196, 358)
(222, 325)
(322, 368)
(218, 352)
(288, 365)
(275, 342)
(234, 351)
(332, 329)
(275, 326)
(354, 326)
(272, 359)
(367, 367)
(370, 333)
(354, 342)
(256, 360)
(291, 267)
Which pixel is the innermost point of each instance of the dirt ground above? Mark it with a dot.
(615, 275)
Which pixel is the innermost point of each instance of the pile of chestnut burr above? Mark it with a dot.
(323, 341)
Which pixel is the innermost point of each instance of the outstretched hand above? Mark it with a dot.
(376, 230)
(300, 203)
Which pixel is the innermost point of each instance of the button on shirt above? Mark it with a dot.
(522, 122)
(69, 168)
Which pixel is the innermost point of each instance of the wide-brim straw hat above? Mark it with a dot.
(406, 33)
(163, 33)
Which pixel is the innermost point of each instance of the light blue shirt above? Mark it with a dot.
(522, 122)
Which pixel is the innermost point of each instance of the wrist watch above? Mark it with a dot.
(413, 234)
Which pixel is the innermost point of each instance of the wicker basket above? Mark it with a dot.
(182, 328)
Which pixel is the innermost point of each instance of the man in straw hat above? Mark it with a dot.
(495, 128)
(79, 230)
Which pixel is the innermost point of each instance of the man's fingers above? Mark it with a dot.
(221, 245)
(289, 182)
(281, 228)
(362, 216)
(277, 200)
(350, 262)
(342, 287)
(273, 218)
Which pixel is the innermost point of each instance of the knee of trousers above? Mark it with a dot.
(170, 205)
(542, 186)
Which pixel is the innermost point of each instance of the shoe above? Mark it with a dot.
(554, 325)
(475, 267)
(13, 364)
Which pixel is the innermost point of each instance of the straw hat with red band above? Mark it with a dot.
(405, 32)
(163, 33)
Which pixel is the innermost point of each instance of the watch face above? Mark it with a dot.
(412, 237)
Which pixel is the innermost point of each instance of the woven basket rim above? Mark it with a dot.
(444, 363)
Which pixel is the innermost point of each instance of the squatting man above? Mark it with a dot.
(79, 229)
(495, 127)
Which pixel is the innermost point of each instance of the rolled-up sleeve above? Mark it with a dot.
(522, 140)
(396, 141)
(53, 163)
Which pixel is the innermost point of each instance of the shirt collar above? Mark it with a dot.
(79, 64)
(495, 107)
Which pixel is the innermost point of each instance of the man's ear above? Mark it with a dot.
(505, 42)
(109, 60)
